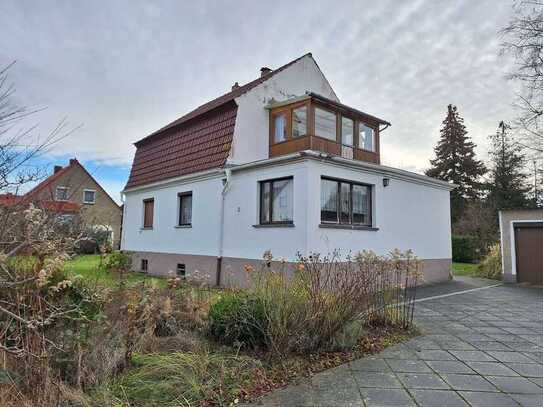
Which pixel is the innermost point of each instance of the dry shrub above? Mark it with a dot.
(306, 310)
(491, 266)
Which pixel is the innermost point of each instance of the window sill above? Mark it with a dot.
(347, 227)
(183, 226)
(89, 203)
(147, 228)
(275, 225)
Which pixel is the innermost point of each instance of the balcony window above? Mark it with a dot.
(347, 131)
(299, 121)
(345, 202)
(325, 124)
(276, 201)
(366, 138)
(279, 127)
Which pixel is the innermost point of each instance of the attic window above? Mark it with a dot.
(61, 194)
(89, 196)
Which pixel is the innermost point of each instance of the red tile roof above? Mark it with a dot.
(197, 141)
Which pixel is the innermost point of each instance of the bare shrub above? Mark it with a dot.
(307, 310)
(491, 266)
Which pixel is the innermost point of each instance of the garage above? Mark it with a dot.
(529, 253)
(522, 245)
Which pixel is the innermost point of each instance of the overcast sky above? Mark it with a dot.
(123, 69)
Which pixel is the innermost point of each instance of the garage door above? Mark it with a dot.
(529, 253)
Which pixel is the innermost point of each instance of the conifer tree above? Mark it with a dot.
(508, 185)
(455, 162)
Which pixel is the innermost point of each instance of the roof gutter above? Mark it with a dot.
(344, 162)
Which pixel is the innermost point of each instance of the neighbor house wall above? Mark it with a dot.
(104, 212)
(507, 220)
(251, 134)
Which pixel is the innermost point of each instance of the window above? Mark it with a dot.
(276, 201)
(148, 209)
(299, 122)
(279, 128)
(89, 196)
(366, 138)
(325, 124)
(347, 131)
(61, 194)
(345, 202)
(185, 209)
(144, 265)
(181, 270)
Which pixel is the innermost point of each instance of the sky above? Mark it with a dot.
(118, 70)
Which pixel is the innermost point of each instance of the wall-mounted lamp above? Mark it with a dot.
(386, 181)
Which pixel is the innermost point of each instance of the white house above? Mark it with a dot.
(277, 164)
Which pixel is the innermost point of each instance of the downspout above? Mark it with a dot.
(225, 188)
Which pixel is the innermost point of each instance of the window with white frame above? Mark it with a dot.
(89, 196)
(366, 139)
(61, 194)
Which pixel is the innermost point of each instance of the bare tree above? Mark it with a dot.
(523, 39)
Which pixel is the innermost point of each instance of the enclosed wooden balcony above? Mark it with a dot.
(313, 122)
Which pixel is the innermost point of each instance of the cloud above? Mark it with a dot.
(123, 69)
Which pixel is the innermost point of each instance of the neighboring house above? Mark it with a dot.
(72, 189)
(521, 232)
(277, 164)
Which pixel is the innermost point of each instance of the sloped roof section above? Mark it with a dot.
(197, 141)
(198, 145)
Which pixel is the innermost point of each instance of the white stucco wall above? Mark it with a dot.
(251, 133)
(164, 237)
(408, 215)
(241, 238)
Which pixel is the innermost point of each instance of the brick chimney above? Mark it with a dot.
(265, 71)
(235, 86)
(57, 169)
(73, 161)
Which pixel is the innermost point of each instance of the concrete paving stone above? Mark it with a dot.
(468, 382)
(529, 400)
(523, 346)
(422, 381)
(512, 357)
(473, 337)
(518, 330)
(492, 345)
(515, 385)
(537, 380)
(492, 368)
(438, 398)
(333, 396)
(369, 365)
(398, 353)
(434, 355)
(377, 379)
(456, 345)
(506, 337)
(527, 369)
(489, 330)
(480, 399)
(386, 398)
(421, 344)
(449, 366)
(536, 356)
(535, 339)
(408, 366)
(472, 356)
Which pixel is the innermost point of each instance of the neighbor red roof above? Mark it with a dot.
(197, 141)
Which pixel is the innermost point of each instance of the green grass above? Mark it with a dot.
(464, 269)
(88, 266)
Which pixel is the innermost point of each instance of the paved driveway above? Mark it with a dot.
(481, 348)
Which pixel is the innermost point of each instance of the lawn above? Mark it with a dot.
(464, 269)
(88, 266)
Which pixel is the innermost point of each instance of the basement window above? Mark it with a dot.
(181, 270)
(144, 265)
